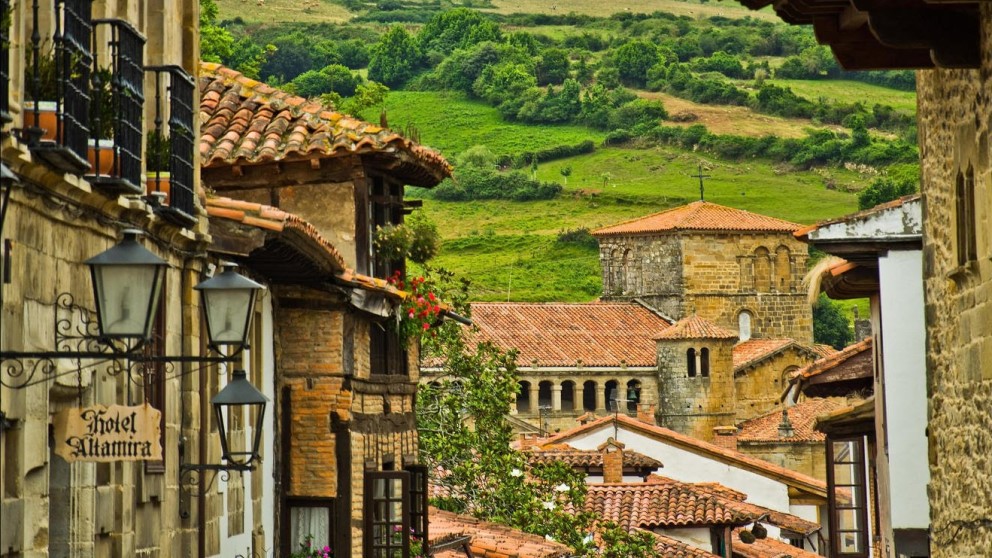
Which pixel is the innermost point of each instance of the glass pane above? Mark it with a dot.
(852, 543)
(848, 520)
(843, 451)
(397, 512)
(845, 474)
(227, 313)
(125, 292)
(314, 523)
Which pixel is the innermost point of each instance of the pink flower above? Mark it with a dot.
(427, 325)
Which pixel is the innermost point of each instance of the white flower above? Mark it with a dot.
(548, 505)
(562, 487)
(516, 473)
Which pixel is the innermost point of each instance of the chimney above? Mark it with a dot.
(785, 429)
(725, 437)
(612, 451)
(645, 413)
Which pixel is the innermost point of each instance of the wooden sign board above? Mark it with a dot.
(109, 434)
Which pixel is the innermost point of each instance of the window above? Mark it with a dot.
(704, 363)
(965, 217)
(311, 519)
(386, 350)
(387, 209)
(387, 521)
(847, 496)
(744, 325)
(419, 495)
(690, 361)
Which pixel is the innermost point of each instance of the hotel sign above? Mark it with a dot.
(109, 434)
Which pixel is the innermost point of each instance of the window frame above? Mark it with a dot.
(388, 355)
(154, 375)
(289, 546)
(859, 462)
(372, 548)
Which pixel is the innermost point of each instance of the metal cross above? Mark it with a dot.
(701, 176)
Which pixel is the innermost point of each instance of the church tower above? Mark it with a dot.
(696, 377)
(740, 270)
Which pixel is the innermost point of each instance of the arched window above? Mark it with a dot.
(544, 394)
(589, 395)
(612, 395)
(633, 395)
(744, 325)
(616, 272)
(690, 361)
(783, 270)
(704, 363)
(625, 285)
(568, 395)
(762, 270)
(523, 397)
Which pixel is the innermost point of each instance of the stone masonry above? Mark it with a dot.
(955, 121)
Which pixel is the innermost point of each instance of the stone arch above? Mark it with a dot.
(783, 269)
(568, 396)
(589, 395)
(745, 324)
(523, 397)
(633, 395)
(612, 393)
(626, 275)
(704, 362)
(690, 362)
(615, 280)
(762, 270)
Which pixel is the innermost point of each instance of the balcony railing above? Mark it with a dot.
(58, 81)
(117, 108)
(172, 153)
(5, 22)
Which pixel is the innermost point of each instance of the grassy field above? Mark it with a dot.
(692, 8)
(452, 123)
(270, 11)
(851, 92)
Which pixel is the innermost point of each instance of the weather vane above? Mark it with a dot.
(700, 176)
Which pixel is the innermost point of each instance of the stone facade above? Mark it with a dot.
(696, 397)
(759, 388)
(807, 458)
(717, 275)
(955, 122)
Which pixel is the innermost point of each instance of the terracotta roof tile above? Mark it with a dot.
(491, 540)
(674, 548)
(754, 351)
(735, 458)
(589, 458)
(559, 334)
(802, 415)
(833, 360)
(779, 519)
(694, 327)
(243, 121)
(663, 502)
(697, 216)
(270, 218)
(768, 548)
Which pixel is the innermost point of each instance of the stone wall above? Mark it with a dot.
(648, 267)
(808, 458)
(759, 388)
(695, 405)
(955, 121)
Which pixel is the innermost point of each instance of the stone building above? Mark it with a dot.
(737, 269)
(303, 190)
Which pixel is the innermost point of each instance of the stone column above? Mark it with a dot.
(534, 401)
(556, 397)
(601, 397)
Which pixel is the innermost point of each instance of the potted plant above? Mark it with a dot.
(103, 118)
(158, 152)
(41, 110)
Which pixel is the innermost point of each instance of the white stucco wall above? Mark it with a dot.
(241, 544)
(904, 362)
(698, 537)
(686, 466)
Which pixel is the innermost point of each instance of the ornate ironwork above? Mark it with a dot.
(118, 100)
(189, 476)
(178, 86)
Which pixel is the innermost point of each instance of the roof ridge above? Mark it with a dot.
(702, 216)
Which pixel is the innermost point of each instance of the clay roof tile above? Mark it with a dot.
(699, 216)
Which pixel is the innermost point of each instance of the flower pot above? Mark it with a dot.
(101, 157)
(47, 118)
(158, 182)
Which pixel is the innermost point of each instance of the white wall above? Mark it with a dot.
(687, 466)
(904, 364)
(698, 537)
(241, 544)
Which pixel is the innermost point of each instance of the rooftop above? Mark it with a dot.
(589, 458)
(834, 360)
(755, 351)
(802, 415)
(560, 334)
(490, 540)
(244, 122)
(694, 327)
(699, 216)
(768, 548)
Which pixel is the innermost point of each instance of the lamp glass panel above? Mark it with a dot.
(227, 314)
(128, 296)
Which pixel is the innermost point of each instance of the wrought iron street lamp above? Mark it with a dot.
(239, 396)
(127, 287)
(229, 302)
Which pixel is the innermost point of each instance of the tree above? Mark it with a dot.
(216, 43)
(830, 326)
(395, 58)
(367, 95)
(634, 59)
(552, 67)
(565, 172)
(457, 28)
(885, 189)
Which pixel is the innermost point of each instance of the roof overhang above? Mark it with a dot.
(857, 419)
(284, 257)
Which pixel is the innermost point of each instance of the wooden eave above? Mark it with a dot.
(855, 419)
(856, 282)
(288, 257)
(890, 34)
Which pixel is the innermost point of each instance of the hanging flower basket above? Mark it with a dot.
(419, 310)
